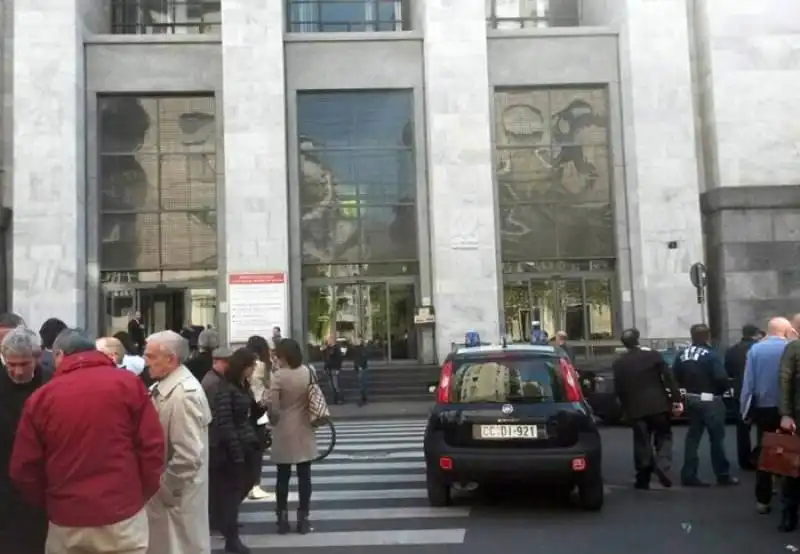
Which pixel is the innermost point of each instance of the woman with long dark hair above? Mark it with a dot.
(259, 385)
(293, 438)
(235, 447)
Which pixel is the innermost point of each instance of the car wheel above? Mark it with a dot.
(438, 491)
(590, 494)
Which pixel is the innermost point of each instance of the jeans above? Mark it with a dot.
(333, 377)
(652, 445)
(767, 420)
(303, 486)
(361, 373)
(704, 416)
(744, 445)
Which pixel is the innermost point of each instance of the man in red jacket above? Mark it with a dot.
(90, 449)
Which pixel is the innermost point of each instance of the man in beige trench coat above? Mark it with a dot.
(178, 513)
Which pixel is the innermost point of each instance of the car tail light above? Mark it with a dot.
(445, 378)
(578, 464)
(572, 387)
(446, 463)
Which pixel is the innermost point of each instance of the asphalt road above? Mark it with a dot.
(369, 498)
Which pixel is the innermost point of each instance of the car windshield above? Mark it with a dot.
(519, 380)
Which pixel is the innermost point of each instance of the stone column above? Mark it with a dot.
(748, 85)
(254, 96)
(462, 198)
(49, 185)
(662, 167)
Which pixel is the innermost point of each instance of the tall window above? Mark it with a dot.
(158, 17)
(556, 224)
(158, 183)
(553, 174)
(348, 16)
(357, 177)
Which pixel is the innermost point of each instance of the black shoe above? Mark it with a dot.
(696, 483)
(235, 546)
(642, 485)
(747, 466)
(303, 526)
(283, 522)
(788, 522)
(727, 481)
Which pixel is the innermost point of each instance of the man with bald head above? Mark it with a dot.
(761, 394)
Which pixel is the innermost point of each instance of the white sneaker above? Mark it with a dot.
(257, 493)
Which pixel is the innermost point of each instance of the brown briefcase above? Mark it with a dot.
(780, 454)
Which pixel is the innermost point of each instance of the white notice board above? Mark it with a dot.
(257, 302)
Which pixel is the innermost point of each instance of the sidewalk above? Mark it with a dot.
(381, 410)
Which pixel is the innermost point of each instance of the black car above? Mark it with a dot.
(512, 413)
(598, 386)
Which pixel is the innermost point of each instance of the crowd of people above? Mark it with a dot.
(765, 370)
(134, 444)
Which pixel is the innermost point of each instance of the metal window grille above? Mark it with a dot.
(165, 17)
(348, 16)
(525, 14)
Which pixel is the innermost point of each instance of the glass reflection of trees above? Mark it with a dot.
(553, 174)
(357, 177)
(157, 183)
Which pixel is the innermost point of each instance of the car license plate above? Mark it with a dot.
(499, 432)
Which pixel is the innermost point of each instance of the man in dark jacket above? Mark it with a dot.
(48, 333)
(700, 371)
(642, 379)
(23, 528)
(201, 363)
(735, 358)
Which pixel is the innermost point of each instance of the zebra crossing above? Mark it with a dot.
(369, 492)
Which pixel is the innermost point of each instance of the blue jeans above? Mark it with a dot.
(361, 373)
(704, 416)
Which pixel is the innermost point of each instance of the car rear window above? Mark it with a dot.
(522, 380)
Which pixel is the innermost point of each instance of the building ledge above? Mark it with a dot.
(353, 37)
(534, 32)
(153, 39)
(766, 197)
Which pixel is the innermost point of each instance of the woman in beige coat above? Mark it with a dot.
(293, 438)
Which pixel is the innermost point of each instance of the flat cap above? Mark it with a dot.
(222, 353)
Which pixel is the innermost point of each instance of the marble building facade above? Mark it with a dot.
(700, 159)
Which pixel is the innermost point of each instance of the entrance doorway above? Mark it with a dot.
(162, 308)
(380, 314)
(581, 306)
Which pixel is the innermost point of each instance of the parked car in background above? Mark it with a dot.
(598, 387)
(512, 413)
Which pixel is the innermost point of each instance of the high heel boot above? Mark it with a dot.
(283, 522)
(303, 526)
(788, 521)
(234, 545)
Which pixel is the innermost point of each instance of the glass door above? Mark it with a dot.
(517, 311)
(119, 307)
(362, 315)
(402, 332)
(544, 305)
(379, 314)
(570, 308)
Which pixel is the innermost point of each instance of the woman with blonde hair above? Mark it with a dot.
(259, 385)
